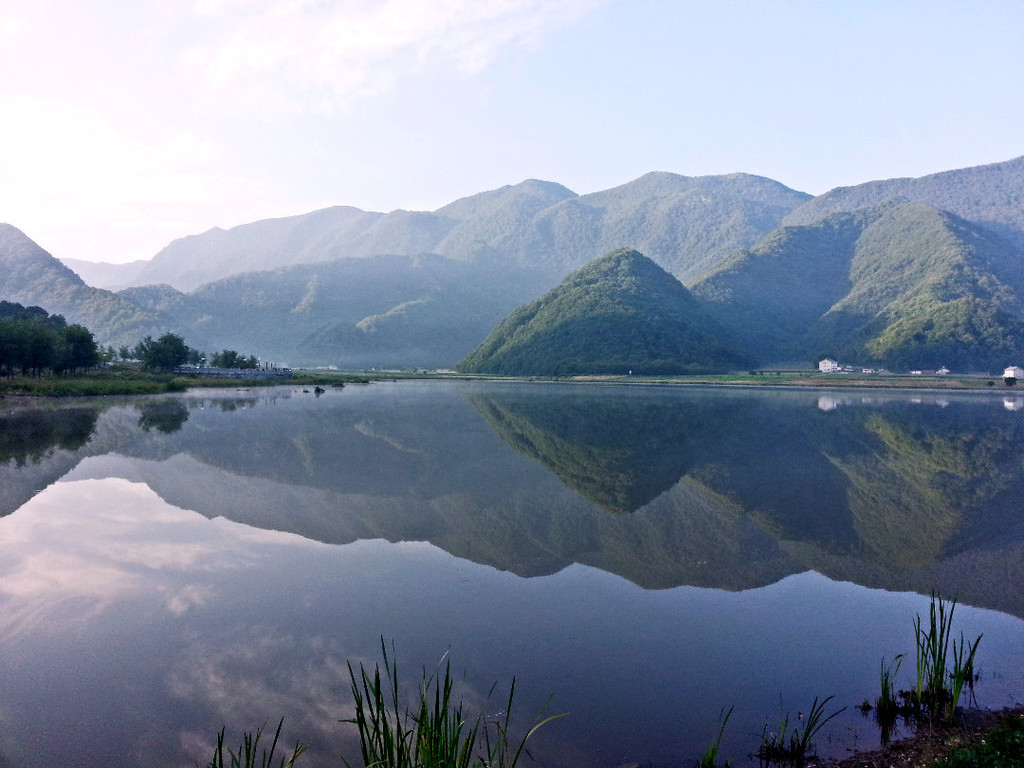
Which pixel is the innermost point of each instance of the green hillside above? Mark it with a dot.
(901, 285)
(31, 276)
(773, 293)
(620, 313)
(386, 311)
(989, 195)
(929, 289)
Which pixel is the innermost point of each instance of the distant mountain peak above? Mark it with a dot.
(31, 276)
(24, 260)
(10, 235)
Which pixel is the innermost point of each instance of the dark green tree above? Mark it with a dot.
(33, 341)
(164, 354)
(12, 342)
(42, 348)
(229, 358)
(79, 350)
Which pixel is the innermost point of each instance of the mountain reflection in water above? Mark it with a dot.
(170, 564)
(665, 487)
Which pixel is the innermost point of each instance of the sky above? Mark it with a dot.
(125, 124)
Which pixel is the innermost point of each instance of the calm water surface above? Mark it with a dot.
(644, 556)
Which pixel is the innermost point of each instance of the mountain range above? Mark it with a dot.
(904, 272)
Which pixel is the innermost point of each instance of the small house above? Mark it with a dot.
(829, 365)
(1014, 372)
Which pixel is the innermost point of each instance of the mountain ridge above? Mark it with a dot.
(682, 221)
(31, 276)
(991, 195)
(349, 303)
(906, 285)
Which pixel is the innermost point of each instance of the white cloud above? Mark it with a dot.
(79, 550)
(242, 665)
(293, 55)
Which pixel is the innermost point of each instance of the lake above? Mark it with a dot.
(644, 556)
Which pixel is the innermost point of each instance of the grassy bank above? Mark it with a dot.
(759, 378)
(130, 380)
(117, 382)
(814, 379)
(980, 739)
(127, 380)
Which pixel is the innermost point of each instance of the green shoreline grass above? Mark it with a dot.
(132, 381)
(825, 381)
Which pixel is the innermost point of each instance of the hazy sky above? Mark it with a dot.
(128, 123)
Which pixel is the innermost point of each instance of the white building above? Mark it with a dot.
(828, 365)
(1014, 372)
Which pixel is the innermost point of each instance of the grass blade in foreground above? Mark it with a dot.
(938, 687)
(248, 754)
(710, 757)
(438, 734)
(776, 748)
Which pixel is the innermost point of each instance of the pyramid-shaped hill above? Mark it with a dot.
(620, 313)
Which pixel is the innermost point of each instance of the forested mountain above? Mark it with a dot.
(31, 276)
(989, 195)
(192, 261)
(905, 285)
(904, 272)
(621, 313)
(683, 223)
(384, 311)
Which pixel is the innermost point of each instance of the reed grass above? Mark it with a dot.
(438, 733)
(886, 705)
(932, 650)
(963, 669)
(87, 386)
(794, 750)
(939, 687)
(502, 750)
(710, 757)
(249, 754)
